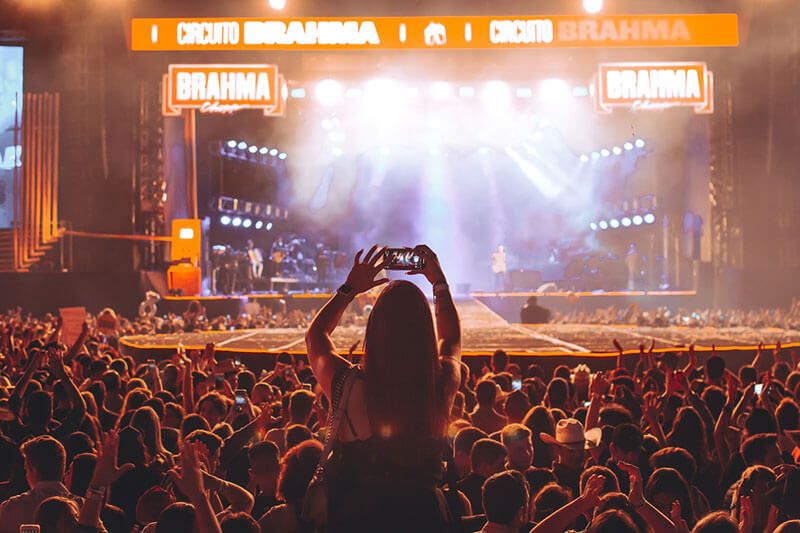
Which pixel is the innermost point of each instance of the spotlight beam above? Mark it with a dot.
(544, 185)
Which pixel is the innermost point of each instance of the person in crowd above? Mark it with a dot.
(487, 458)
(506, 499)
(485, 417)
(390, 452)
(533, 313)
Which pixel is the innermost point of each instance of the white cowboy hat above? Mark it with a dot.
(569, 433)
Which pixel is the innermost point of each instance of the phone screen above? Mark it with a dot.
(151, 363)
(516, 383)
(240, 397)
(759, 388)
(402, 259)
(587, 403)
(29, 528)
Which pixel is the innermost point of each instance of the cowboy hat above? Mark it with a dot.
(569, 433)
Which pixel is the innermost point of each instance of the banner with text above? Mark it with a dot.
(456, 32)
(224, 89)
(654, 86)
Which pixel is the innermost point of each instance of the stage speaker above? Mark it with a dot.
(184, 277)
(524, 279)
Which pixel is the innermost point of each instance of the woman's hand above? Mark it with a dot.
(431, 269)
(362, 275)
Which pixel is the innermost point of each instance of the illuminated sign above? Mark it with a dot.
(654, 86)
(459, 32)
(222, 88)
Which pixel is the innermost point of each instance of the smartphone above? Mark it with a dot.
(151, 363)
(237, 361)
(403, 259)
(29, 528)
(516, 383)
(239, 399)
(587, 403)
(759, 388)
(219, 379)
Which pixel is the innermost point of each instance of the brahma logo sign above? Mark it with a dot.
(222, 88)
(654, 86)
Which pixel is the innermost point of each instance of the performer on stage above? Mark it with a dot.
(256, 260)
(499, 268)
(632, 261)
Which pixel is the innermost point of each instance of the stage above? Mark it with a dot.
(483, 331)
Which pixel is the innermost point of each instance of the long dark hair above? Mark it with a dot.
(401, 363)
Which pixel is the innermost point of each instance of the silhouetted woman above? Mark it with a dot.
(388, 455)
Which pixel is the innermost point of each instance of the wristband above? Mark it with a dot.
(345, 290)
(98, 492)
(440, 286)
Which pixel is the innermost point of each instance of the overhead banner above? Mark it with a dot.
(654, 86)
(224, 89)
(435, 33)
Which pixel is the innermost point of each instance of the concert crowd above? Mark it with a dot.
(410, 439)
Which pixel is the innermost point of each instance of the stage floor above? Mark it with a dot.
(484, 331)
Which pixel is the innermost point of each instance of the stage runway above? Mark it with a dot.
(484, 331)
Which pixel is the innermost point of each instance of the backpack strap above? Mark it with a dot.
(340, 393)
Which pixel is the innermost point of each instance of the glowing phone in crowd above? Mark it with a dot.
(29, 528)
(151, 363)
(239, 399)
(516, 383)
(403, 259)
(759, 388)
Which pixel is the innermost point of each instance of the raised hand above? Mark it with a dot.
(636, 494)
(362, 275)
(107, 472)
(599, 385)
(676, 515)
(431, 269)
(591, 492)
(651, 410)
(189, 479)
(618, 346)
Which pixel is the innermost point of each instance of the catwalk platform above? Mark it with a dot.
(483, 331)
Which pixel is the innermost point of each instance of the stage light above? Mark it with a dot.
(237, 222)
(628, 146)
(384, 151)
(605, 153)
(553, 90)
(259, 224)
(328, 92)
(382, 94)
(268, 227)
(298, 93)
(580, 91)
(252, 149)
(614, 223)
(617, 150)
(246, 223)
(639, 143)
(327, 123)
(412, 92)
(626, 221)
(603, 224)
(483, 150)
(263, 150)
(524, 92)
(593, 226)
(224, 220)
(433, 150)
(336, 151)
(242, 146)
(584, 158)
(466, 92)
(637, 220)
(649, 218)
(277, 5)
(441, 90)
(273, 152)
(595, 155)
(231, 144)
(592, 6)
(282, 156)
(353, 92)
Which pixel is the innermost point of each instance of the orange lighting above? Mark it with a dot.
(450, 32)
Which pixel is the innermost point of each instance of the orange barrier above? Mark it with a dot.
(93, 235)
